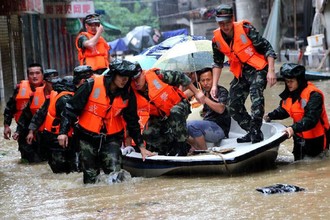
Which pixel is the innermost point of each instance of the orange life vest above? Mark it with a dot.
(162, 96)
(240, 51)
(22, 98)
(51, 113)
(98, 57)
(143, 109)
(99, 113)
(37, 101)
(296, 112)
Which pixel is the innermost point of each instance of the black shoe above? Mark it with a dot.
(244, 139)
(256, 136)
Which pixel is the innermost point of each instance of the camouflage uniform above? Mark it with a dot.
(169, 134)
(252, 82)
(98, 150)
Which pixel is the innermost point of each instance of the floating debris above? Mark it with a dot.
(280, 188)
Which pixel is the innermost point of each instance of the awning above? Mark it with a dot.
(110, 29)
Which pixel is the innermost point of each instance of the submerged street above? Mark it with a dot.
(33, 191)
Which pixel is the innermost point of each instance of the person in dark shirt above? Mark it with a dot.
(305, 104)
(39, 152)
(15, 105)
(216, 119)
(60, 160)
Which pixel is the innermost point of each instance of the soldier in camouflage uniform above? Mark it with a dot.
(61, 160)
(101, 104)
(58, 157)
(166, 129)
(251, 60)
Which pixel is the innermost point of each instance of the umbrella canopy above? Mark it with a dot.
(159, 49)
(188, 56)
(140, 38)
(146, 62)
(117, 45)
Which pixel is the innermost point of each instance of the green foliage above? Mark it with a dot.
(125, 19)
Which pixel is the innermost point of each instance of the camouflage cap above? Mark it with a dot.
(224, 12)
(92, 18)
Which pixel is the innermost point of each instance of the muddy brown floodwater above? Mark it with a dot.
(34, 192)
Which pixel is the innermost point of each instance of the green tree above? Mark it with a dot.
(125, 19)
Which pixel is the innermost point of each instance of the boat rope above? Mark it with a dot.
(223, 159)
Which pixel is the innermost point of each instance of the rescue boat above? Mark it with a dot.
(229, 157)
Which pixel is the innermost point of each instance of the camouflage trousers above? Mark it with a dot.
(60, 160)
(34, 153)
(160, 132)
(100, 152)
(251, 83)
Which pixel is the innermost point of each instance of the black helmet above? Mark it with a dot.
(124, 68)
(223, 12)
(49, 74)
(82, 72)
(292, 70)
(64, 84)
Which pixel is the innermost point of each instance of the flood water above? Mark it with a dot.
(33, 191)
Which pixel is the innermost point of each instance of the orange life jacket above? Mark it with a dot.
(98, 57)
(240, 51)
(296, 112)
(22, 98)
(99, 113)
(143, 109)
(162, 96)
(37, 101)
(51, 113)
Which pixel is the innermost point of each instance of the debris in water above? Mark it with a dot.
(280, 188)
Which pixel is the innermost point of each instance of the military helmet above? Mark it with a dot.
(64, 84)
(82, 72)
(124, 68)
(292, 70)
(50, 74)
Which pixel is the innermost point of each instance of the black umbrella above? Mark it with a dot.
(140, 38)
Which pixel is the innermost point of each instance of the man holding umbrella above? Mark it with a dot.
(92, 48)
